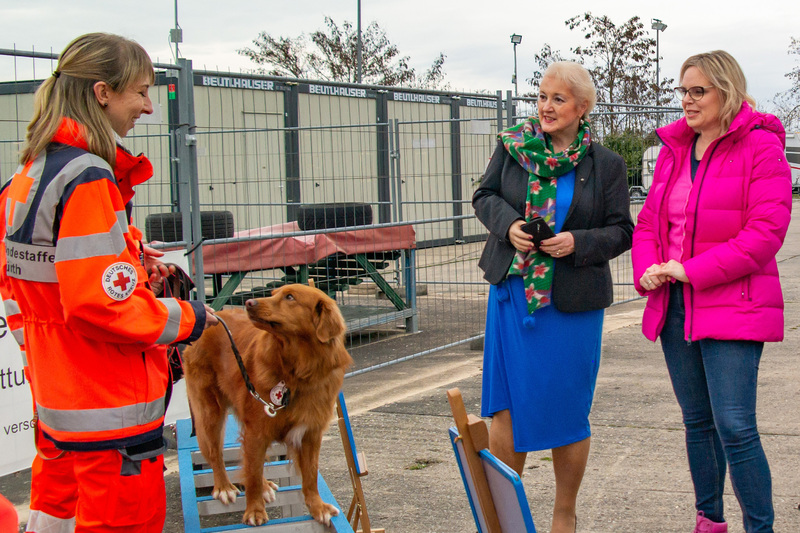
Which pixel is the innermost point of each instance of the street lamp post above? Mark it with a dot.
(359, 66)
(659, 27)
(515, 39)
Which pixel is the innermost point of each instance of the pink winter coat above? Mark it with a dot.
(737, 215)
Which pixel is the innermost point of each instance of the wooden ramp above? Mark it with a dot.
(357, 514)
(495, 492)
(197, 480)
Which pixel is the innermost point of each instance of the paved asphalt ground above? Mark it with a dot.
(637, 479)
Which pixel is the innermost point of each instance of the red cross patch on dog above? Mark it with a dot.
(277, 392)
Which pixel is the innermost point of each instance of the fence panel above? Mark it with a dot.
(478, 141)
(151, 136)
(338, 157)
(241, 153)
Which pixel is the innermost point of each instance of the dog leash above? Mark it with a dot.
(279, 395)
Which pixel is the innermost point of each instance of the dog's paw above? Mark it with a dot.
(255, 517)
(269, 491)
(227, 494)
(323, 512)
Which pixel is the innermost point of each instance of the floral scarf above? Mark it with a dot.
(533, 150)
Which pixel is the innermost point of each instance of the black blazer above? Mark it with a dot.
(599, 219)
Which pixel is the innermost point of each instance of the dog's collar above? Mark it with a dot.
(279, 395)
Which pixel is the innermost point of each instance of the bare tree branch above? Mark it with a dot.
(622, 62)
(332, 56)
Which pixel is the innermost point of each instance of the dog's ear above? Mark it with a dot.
(328, 320)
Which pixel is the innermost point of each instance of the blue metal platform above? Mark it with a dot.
(195, 474)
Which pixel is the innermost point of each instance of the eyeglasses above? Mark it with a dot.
(695, 93)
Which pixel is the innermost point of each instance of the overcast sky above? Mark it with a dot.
(474, 35)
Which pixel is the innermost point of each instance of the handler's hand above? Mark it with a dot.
(211, 318)
(561, 245)
(155, 268)
(519, 239)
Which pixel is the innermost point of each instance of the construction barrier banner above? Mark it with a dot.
(16, 410)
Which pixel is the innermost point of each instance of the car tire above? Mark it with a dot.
(168, 227)
(338, 215)
(637, 193)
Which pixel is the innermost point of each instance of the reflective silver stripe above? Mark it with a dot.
(108, 419)
(31, 262)
(173, 325)
(122, 220)
(43, 522)
(111, 242)
(18, 336)
(53, 195)
(12, 307)
(24, 358)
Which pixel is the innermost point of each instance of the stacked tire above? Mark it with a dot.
(168, 227)
(336, 215)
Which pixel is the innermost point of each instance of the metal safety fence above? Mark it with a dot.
(263, 181)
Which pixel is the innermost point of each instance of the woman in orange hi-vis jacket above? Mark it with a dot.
(93, 332)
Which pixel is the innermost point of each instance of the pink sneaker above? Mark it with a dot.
(704, 525)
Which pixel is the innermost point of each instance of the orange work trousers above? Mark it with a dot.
(97, 491)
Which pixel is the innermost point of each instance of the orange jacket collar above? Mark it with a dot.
(130, 170)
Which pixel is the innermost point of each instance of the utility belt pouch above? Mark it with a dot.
(132, 456)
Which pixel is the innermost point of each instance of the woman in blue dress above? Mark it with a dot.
(545, 311)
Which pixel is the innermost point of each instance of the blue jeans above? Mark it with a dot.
(715, 383)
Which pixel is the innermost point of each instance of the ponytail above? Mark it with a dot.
(69, 92)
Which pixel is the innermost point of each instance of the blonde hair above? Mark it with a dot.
(578, 79)
(69, 92)
(724, 73)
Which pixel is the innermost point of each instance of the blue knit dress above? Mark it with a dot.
(544, 375)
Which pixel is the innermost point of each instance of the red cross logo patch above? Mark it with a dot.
(119, 280)
(277, 393)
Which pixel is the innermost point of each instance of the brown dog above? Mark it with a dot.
(296, 336)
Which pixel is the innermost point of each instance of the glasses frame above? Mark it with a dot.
(687, 90)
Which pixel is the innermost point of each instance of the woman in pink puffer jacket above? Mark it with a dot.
(704, 253)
